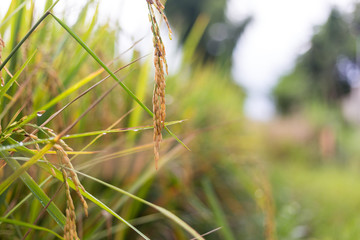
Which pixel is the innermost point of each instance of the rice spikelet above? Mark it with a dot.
(70, 232)
(66, 161)
(159, 107)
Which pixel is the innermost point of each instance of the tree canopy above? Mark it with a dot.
(327, 70)
(221, 35)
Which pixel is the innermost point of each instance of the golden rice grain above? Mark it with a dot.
(70, 232)
(66, 161)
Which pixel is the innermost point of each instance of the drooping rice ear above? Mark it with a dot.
(159, 106)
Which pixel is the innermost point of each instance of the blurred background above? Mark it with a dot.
(270, 93)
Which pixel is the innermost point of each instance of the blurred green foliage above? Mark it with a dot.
(322, 73)
(209, 187)
(221, 35)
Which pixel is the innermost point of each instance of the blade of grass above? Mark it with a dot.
(119, 130)
(208, 233)
(70, 152)
(100, 135)
(59, 176)
(9, 15)
(28, 35)
(78, 135)
(120, 227)
(194, 37)
(165, 212)
(71, 90)
(115, 155)
(9, 180)
(28, 225)
(151, 171)
(219, 215)
(97, 59)
(17, 95)
(19, 171)
(54, 212)
(65, 93)
(144, 178)
(43, 211)
(71, 73)
(5, 88)
(25, 199)
(140, 91)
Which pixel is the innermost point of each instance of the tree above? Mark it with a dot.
(221, 35)
(323, 73)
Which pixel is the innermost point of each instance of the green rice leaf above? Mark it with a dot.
(6, 87)
(91, 198)
(28, 225)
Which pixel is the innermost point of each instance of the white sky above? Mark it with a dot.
(280, 31)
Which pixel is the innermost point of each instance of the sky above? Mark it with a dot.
(280, 31)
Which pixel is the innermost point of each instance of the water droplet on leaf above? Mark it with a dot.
(40, 113)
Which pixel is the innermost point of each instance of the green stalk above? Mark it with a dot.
(163, 211)
(93, 199)
(78, 135)
(27, 35)
(7, 86)
(36, 190)
(9, 14)
(25, 199)
(219, 215)
(97, 59)
(9, 180)
(28, 225)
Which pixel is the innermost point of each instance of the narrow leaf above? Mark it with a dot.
(9, 180)
(5, 88)
(28, 225)
(59, 176)
(97, 59)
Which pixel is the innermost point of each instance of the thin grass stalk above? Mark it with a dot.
(28, 225)
(148, 174)
(165, 212)
(219, 215)
(97, 59)
(36, 190)
(43, 211)
(8, 16)
(8, 181)
(28, 35)
(59, 176)
(23, 200)
(100, 135)
(78, 135)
